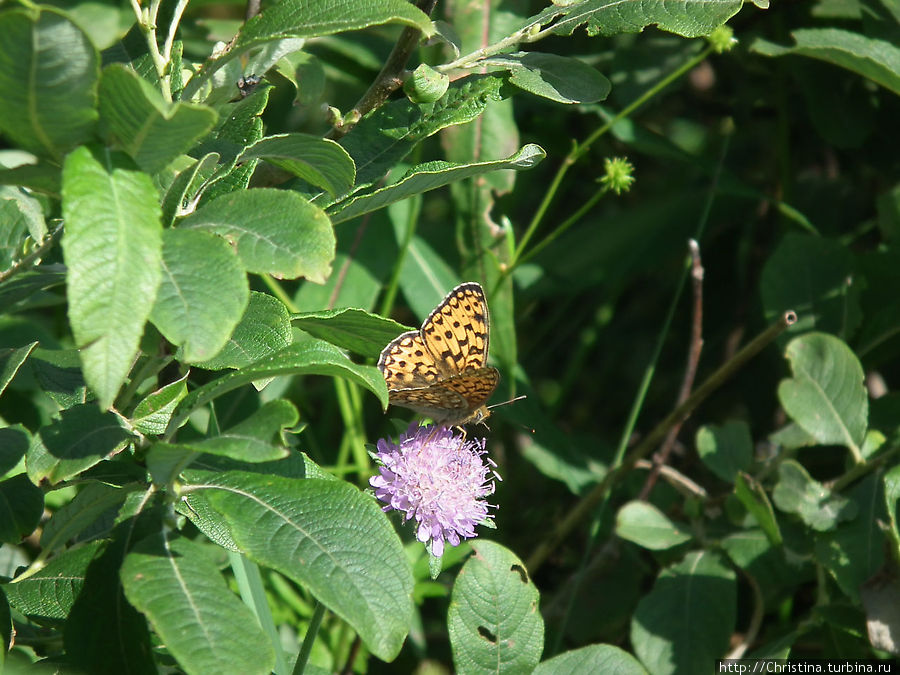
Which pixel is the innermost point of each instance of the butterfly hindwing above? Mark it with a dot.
(434, 401)
(475, 386)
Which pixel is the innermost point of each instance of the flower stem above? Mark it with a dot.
(311, 632)
(578, 150)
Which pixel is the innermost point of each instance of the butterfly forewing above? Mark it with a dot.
(456, 332)
(405, 362)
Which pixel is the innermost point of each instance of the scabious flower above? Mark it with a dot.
(439, 478)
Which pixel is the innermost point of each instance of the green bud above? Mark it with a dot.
(722, 39)
(425, 84)
(617, 174)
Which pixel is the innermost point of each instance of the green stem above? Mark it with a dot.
(311, 632)
(564, 226)
(150, 367)
(250, 585)
(856, 472)
(354, 437)
(578, 150)
(279, 292)
(390, 291)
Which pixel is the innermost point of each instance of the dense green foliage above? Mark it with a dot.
(209, 225)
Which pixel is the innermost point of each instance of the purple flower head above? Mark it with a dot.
(440, 479)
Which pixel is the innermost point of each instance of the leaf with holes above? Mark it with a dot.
(494, 622)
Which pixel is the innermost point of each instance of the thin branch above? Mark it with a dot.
(252, 9)
(586, 506)
(351, 657)
(390, 78)
(759, 607)
(677, 479)
(690, 371)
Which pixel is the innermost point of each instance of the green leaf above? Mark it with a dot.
(809, 275)
(891, 498)
(691, 18)
(877, 60)
(319, 161)
(255, 439)
(684, 623)
(797, 493)
(186, 186)
(59, 373)
(647, 526)
(826, 396)
(294, 18)
(196, 507)
(726, 449)
(752, 495)
(166, 461)
(353, 329)
(240, 126)
(50, 593)
(82, 437)
(104, 633)
(776, 569)
(29, 211)
(21, 507)
(329, 537)
(154, 132)
(23, 225)
(872, 443)
(72, 518)
(488, 635)
(10, 362)
(591, 659)
(558, 78)
(388, 134)
(792, 436)
(430, 176)
(264, 329)
(300, 19)
(203, 294)
(6, 628)
(153, 413)
(48, 73)
(14, 442)
(258, 438)
(274, 232)
(191, 608)
(854, 551)
(41, 177)
(22, 286)
(313, 357)
(113, 249)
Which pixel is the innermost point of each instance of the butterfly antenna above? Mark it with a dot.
(512, 400)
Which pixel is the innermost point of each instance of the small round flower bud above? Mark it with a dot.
(425, 84)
